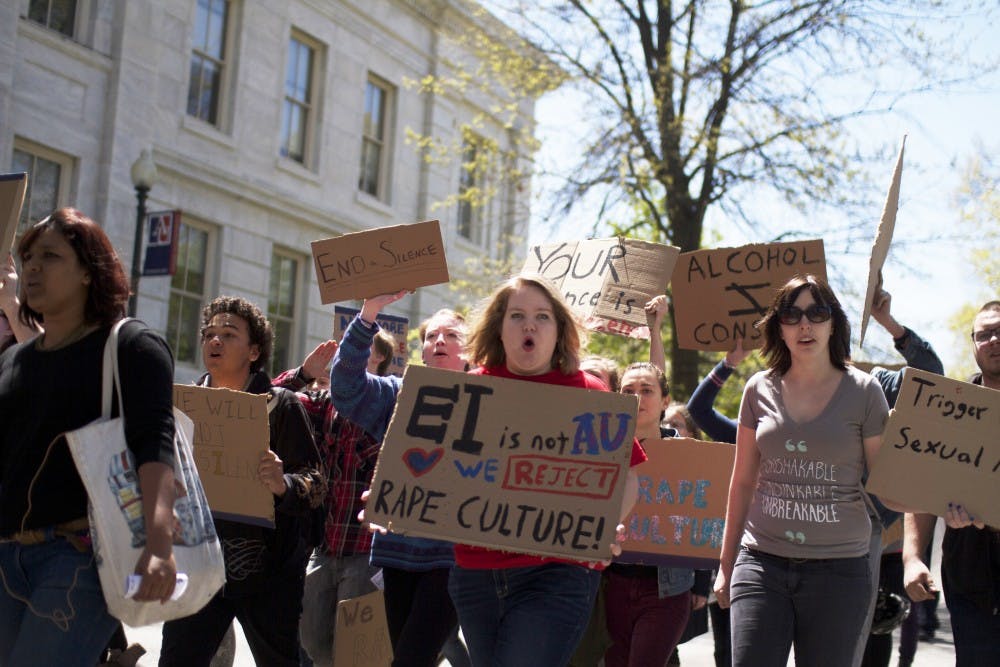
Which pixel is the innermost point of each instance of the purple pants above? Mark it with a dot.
(644, 627)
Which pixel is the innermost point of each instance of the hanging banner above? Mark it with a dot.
(162, 233)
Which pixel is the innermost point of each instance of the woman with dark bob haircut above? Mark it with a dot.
(52, 610)
(794, 562)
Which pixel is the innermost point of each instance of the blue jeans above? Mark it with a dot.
(45, 617)
(526, 615)
(976, 632)
(819, 605)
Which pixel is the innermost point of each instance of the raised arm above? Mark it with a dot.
(701, 405)
(364, 398)
(656, 310)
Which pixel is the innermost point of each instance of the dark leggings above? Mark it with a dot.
(878, 652)
(419, 613)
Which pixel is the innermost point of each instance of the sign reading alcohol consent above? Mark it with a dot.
(607, 282)
(719, 294)
(941, 446)
(397, 326)
(380, 261)
(506, 464)
(680, 515)
(230, 434)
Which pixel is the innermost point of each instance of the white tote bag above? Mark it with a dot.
(117, 525)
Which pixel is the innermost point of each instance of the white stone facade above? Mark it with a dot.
(120, 84)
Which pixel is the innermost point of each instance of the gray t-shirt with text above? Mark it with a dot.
(809, 501)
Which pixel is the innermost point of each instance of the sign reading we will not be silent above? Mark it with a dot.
(680, 514)
(380, 261)
(941, 446)
(230, 433)
(607, 282)
(506, 464)
(720, 293)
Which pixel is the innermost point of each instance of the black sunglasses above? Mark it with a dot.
(816, 313)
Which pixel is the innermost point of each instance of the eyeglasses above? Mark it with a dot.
(986, 335)
(816, 313)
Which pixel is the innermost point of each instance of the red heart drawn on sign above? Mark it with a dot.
(421, 462)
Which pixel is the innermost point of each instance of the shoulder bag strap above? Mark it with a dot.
(111, 375)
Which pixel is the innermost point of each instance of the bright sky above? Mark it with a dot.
(929, 282)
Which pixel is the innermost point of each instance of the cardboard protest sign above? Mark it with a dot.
(718, 294)
(507, 464)
(941, 446)
(607, 281)
(680, 515)
(883, 237)
(397, 326)
(361, 637)
(380, 261)
(230, 433)
(12, 189)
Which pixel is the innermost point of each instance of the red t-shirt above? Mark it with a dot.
(481, 558)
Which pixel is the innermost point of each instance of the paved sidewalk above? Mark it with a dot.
(699, 652)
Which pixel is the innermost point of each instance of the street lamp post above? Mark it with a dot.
(143, 178)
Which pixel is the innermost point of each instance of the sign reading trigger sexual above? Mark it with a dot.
(506, 464)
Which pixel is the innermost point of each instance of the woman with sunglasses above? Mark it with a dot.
(794, 563)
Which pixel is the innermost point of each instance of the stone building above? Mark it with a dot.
(270, 124)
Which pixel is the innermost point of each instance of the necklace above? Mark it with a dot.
(76, 334)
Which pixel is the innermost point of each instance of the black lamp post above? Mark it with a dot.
(143, 178)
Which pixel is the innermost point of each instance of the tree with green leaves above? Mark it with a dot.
(699, 106)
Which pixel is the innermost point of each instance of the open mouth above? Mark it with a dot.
(528, 344)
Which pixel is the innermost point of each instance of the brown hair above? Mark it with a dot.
(444, 312)
(108, 291)
(775, 351)
(485, 347)
(384, 344)
(593, 362)
(682, 410)
(258, 327)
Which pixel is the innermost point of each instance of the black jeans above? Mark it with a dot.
(270, 621)
(419, 613)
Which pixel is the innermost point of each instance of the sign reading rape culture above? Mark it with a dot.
(941, 446)
(607, 281)
(380, 261)
(680, 513)
(507, 464)
(719, 293)
(231, 433)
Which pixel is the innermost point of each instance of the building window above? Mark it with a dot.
(208, 60)
(296, 112)
(470, 189)
(48, 182)
(187, 294)
(59, 15)
(373, 147)
(282, 294)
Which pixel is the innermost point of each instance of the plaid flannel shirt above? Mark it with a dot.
(349, 455)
